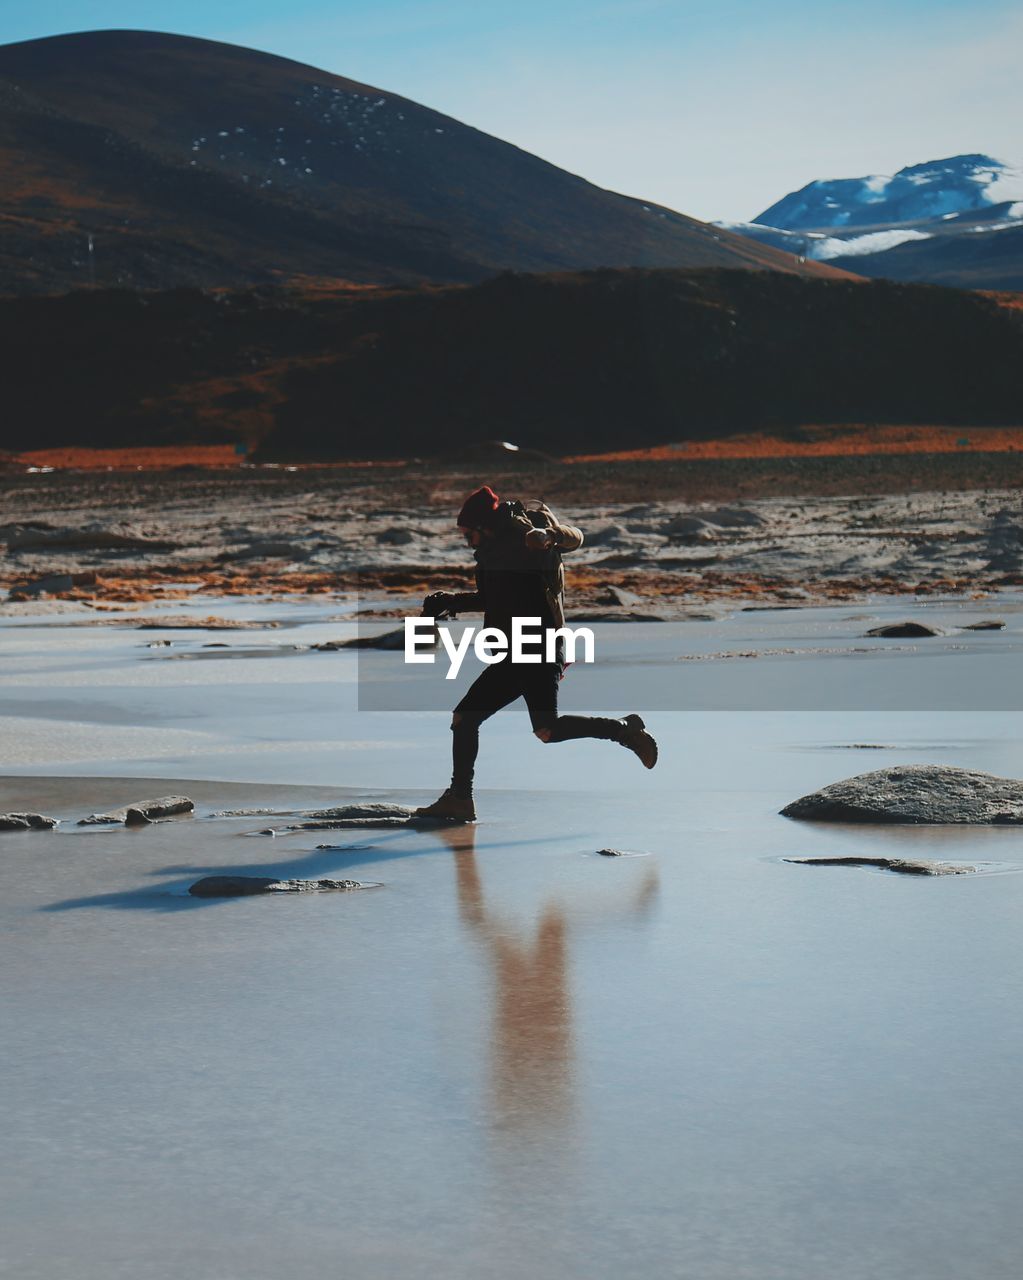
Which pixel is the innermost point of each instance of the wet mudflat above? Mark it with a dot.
(514, 1057)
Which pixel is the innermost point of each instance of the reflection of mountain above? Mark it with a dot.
(566, 364)
(194, 163)
(955, 221)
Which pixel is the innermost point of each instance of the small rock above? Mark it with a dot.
(343, 824)
(57, 583)
(52, 584)
(689, 529)
(251, 813)
(609, 535)
(987, 624)
(903, 866)
(243, 886)
(903, 630)
(384, 640)
(26, 822)
(396, 536)
(617, 615)
(186, 623)
(143, 811)
(611, 853)
(618, 595)
(93, 536)
(270, 550)
(733, 517)
(919, 794)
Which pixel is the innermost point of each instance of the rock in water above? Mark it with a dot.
(26, 822)
(923, 794)
(903, 630)
(902, 866)
(243, 886)
(140, 812)
(371, 810)
(986, 624)
(382, 640)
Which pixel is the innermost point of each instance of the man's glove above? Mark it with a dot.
(438, 605)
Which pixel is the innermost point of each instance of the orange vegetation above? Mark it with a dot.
(151, 458)
(1010, 301)
(802, 442)
(106, 592)
(829, 441)
(154, 458)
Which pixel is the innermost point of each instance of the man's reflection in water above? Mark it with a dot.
(532, 1065)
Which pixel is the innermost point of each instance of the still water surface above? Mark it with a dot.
(515, 1058)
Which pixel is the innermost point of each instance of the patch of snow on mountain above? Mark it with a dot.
(874, 242)
(1006, 184)
(988, 227)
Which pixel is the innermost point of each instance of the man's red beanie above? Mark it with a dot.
(478, 509)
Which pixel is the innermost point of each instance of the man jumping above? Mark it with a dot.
(518, 575)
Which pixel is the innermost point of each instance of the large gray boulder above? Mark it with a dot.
(923, 794)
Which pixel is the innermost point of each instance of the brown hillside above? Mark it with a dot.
(570, 364)
(192, 163)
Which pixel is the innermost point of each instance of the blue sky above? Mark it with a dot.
(714, 107)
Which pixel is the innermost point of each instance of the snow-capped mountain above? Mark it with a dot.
(954, 221)
(943, 189)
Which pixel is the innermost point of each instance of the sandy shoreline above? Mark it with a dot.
(706, 531)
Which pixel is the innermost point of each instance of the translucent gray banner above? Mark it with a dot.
(800, 660)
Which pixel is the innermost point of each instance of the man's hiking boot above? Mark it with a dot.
(453, 806)
(636, 738)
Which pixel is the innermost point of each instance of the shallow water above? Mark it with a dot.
(515, 1058)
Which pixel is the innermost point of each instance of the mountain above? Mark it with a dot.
(574, 362)
(146, 160)
(940, 189)
(957, 221)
